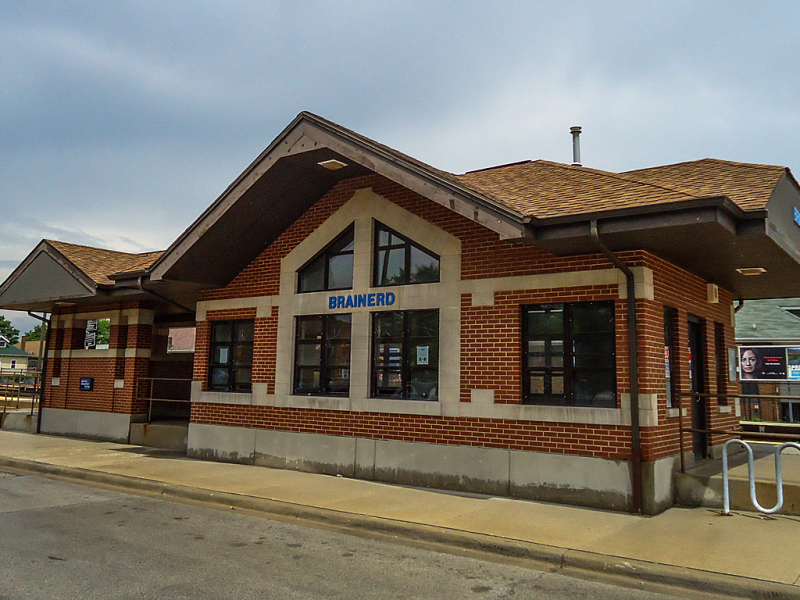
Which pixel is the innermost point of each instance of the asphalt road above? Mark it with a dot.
(62, 540)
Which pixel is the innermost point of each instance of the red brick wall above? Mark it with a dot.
(491, 340)
(589, 440)
(104, 369)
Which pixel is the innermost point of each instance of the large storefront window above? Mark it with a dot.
(231, 356)
(405, 355)
(569, 354)
(399, 261)
(322, 355)
(332, 269)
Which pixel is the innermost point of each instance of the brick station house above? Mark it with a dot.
(361, 313)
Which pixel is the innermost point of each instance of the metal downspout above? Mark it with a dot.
(633, 368)
(46, 324)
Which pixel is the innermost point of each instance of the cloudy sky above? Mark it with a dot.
(121, 122)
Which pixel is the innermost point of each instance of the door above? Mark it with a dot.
(698, 381)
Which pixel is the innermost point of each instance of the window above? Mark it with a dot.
(569, 354)
(231, 356)
(332, 269)
(405, 354)
(322, 355)
(399, 261)
(670, 355)
(13, 364)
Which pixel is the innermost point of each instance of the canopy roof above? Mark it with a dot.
(708, 216)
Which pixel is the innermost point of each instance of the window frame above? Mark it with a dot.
(325, 344)
(405, 367)
(232, 364)
(407, 246)
(331, 251)
(568, 369)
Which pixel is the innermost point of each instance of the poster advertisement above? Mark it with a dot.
(767, 363)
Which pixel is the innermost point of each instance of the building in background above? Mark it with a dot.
(12, 359)
(771, 327)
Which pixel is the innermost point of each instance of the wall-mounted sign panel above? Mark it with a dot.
(769, 363)
(87, 384)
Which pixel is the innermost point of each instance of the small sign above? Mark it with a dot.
(87, 384)
(796, 216)
(423, 352)
(90, 341)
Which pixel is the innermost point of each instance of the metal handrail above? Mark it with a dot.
(14, 382)
(150, 397)
(752, 476)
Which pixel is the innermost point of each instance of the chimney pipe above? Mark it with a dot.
(576, 146)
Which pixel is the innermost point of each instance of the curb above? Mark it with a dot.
(553, 559)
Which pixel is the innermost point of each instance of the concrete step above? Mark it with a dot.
(167, 435)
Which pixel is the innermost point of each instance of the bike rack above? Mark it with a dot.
(751, 472)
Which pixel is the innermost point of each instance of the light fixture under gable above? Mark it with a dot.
(749, 271)
(332, 164)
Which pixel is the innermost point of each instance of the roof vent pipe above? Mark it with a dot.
(576, 145)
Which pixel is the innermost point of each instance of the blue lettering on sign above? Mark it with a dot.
(797, 216)
(361, 300)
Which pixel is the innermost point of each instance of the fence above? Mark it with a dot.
(20, 389)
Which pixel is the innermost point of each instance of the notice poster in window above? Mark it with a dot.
(423, 352)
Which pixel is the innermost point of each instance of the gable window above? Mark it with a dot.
(569, 354)
(332, 269)
(405, 354)
(231, 356)
(322, 355)
(399, 261)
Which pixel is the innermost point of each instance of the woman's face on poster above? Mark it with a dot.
(749, 364)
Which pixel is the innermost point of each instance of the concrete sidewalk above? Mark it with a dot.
(741, 555)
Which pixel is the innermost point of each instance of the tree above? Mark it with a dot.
(35, 334)
(8, 330)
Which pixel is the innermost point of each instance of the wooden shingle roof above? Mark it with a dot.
(99, 264)
(546, 189)
(749, 186)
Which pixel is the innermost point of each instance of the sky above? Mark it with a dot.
(120, 122)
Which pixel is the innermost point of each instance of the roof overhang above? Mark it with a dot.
(287, 179)
(710, 237)
(46, 280)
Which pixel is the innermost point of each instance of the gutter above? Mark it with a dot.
(46, 324)
(633, 367)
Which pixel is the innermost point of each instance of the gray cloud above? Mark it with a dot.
(121, 122)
